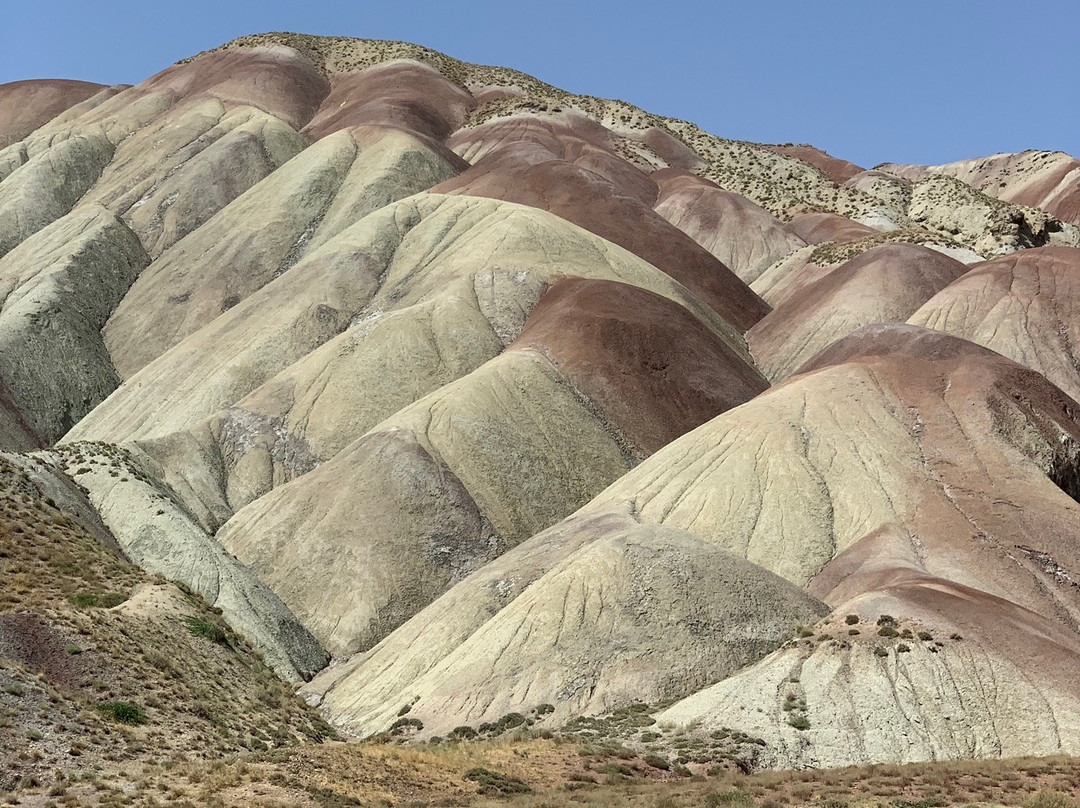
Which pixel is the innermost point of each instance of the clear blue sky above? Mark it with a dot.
(906, 81)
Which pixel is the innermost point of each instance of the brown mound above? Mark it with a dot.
(652, 367)
(530, 175)
(565, 135)
(407, 95)
(819, 228)
(1023, 305)
(743, 235)
(27, 639)
(26, 105)
(278, 81)
(837, 170)
(886, 283)
(894, 340)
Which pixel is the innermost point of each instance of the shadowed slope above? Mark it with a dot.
(57, 289)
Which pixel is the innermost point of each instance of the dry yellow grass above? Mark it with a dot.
(558, 774)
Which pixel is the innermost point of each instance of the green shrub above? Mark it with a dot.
(799, 721)
(123, 712)
(406, 725)
(886, 620)
(204, 628)
(879, 651)
(462, 733)
(657, 762)
(851, 619)
(504, 724)
(888, 631)
(496, 783)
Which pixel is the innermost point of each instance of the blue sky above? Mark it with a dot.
(869, 81)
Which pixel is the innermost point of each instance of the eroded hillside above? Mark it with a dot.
(474, 408)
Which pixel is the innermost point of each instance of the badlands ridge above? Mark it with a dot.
(463, 402)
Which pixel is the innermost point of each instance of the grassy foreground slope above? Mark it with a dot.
(530, 773)
(103, 667)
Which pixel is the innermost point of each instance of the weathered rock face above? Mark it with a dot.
(488, 460)
(403, 254)
(1047, 180)
(48, 185)
(531, 175)
(456, 364)
(931, 415)
(262, 234)
(58, 288)
(867, 698)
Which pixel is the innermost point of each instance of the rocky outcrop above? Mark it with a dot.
(1039, 179)
(156, 533)
(57, 289)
